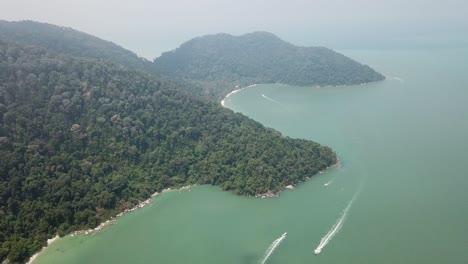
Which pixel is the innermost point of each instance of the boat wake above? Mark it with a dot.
(270, 99)
(328, 183)
(336, 228)
(399, 79)
(272, 247)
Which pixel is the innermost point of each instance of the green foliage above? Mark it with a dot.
(216, 63)
(68, 41)
(82, 139)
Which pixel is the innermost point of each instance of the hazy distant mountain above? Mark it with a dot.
(209, 66)
(68, 41)
(260, 57)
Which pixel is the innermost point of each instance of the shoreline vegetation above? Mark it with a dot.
(113, 220)
(107, 155)
(271, 194)
(49, 242)
(142, 204)
(110, 221)
(106, 135)
(148, 201)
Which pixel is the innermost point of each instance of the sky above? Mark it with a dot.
(150, 27)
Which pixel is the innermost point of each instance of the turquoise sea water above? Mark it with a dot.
(404, 159)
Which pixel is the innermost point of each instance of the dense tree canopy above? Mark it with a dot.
(88, 129)
(216, 63)
(82, 139)
(209, 66)
(69, 41)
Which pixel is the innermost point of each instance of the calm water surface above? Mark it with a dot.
(404, 153)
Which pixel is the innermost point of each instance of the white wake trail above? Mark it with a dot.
(273, 246)
(328, 183)
(339, 223)
(270, 99)
(399, 79)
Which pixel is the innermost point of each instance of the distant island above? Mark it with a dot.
(89, 130)
(217, 63)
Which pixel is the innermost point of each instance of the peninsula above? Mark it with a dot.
(215, 64)
(89, 129)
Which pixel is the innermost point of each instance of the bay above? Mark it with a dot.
(403, 150)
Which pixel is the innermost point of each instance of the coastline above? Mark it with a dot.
(146, 202)
(271, 194)
(110, 221)
(49, 242)
(313, 86)
(235, 91)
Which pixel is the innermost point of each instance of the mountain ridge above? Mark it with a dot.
(215, 74)
(68, 41)
(217, 63)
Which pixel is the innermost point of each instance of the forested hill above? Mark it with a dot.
(82, 139)
(209, 66)
(219, 62)
(69, 41)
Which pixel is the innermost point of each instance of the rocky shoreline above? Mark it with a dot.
(112, 220)
(33, 257)
(271, 194)
(126, 211)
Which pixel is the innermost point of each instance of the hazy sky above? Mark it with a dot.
(149, 27)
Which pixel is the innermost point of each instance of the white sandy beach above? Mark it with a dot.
(235, 91)
(49, 241)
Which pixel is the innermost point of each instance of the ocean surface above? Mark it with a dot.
(399, 195)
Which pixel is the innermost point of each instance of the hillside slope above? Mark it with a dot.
(69, 41)
(82, 139)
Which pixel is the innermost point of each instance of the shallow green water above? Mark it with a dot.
(402, 143)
